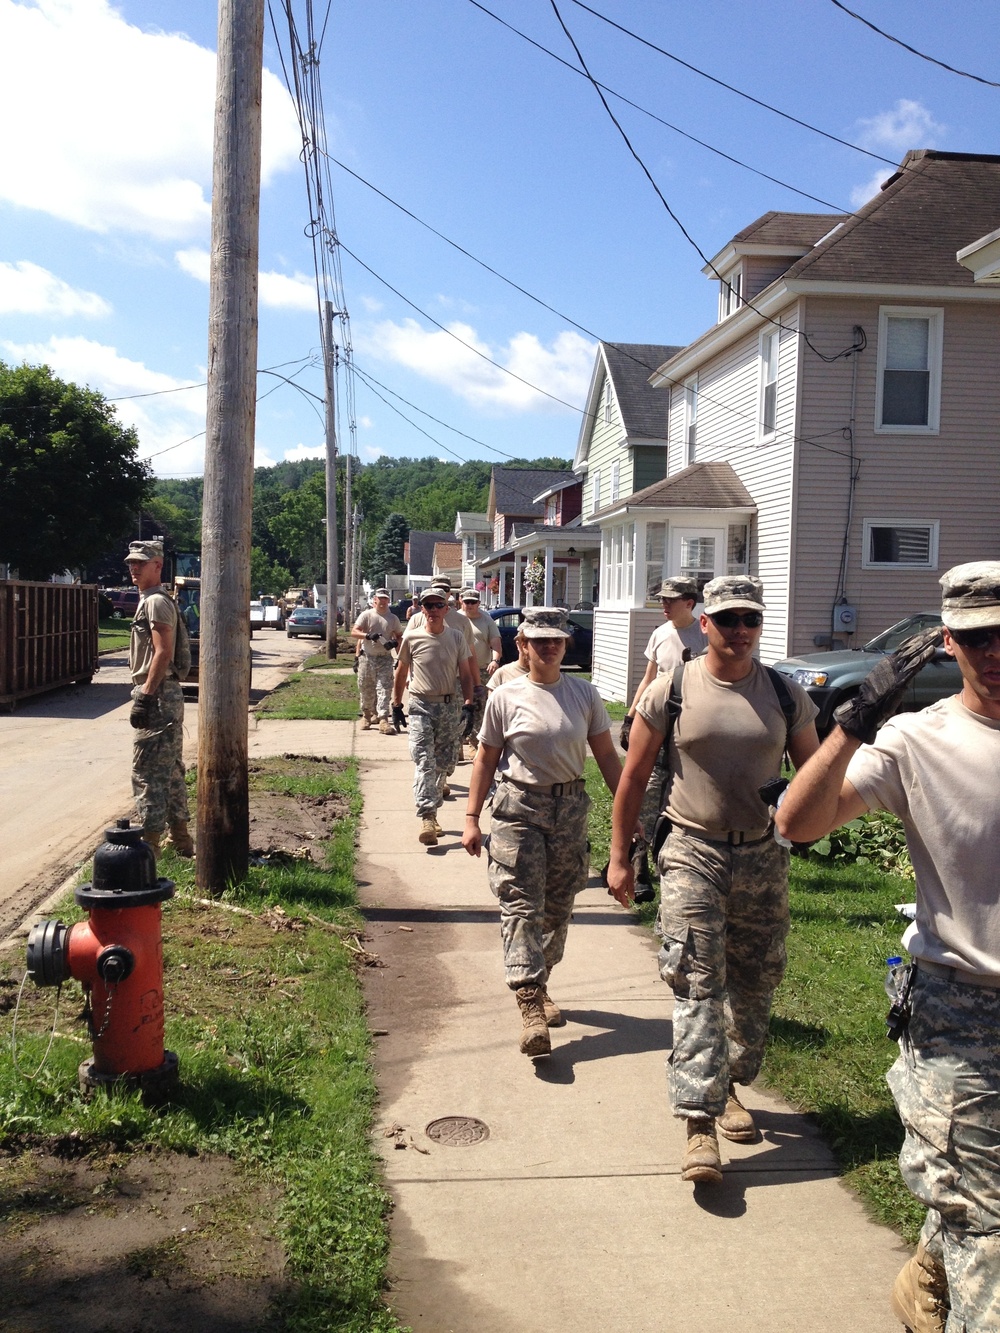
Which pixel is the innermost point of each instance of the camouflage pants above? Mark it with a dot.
(653, 802)
(537, 865)
(946, 1084)
(375, 685)
(434, 729)
(724, 918)
(157, 766)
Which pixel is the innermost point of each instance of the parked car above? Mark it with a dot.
(830, 678)
(124, 602)
(579, 653)
(306, 620)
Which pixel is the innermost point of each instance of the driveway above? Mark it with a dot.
(65, 771)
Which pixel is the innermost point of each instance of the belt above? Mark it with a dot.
(433, 698)
(956, 974)
(557, 788)
(737, 839)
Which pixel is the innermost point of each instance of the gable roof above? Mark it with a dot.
(448, 555)
(642, 409)
(421, 559)
(698, 486)
(793, 229)
(513, 490)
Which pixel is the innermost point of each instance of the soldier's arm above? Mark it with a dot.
(602, 747)
(468, 671)
(646, 681)
(644, 744)
(163, 655)
(399, 676)
(487, 758)
(820, 798)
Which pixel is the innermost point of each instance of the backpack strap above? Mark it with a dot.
(785, 700)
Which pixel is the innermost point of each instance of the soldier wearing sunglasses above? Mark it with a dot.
(724, 879)
(939, 771)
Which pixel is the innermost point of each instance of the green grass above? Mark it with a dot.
(276, 1072)
(315, 694)
(112, 635)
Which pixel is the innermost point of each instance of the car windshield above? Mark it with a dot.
(889, 640)
(305, 613)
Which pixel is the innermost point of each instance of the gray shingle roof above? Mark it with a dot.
(514, 489)
(644, 409)
(422, 549)
(700, 486)
(793, 229)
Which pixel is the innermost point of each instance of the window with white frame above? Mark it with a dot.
(596, 503)
(698, 559)
(690, 419)
(618, 563)
(769, 344)
(908, 392)
(656, 550)
(737, 548)
(731, 293)
(905, 543)
(607, 402)
(615, 479)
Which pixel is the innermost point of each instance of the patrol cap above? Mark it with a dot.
(971, 595)
(679, 588)
(440, 594)
(381, 592)
(544, 622)
(441, 582)
(144, 551)
(733, 592)
(469, 595)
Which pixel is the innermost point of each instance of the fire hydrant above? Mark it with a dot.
(117, 955)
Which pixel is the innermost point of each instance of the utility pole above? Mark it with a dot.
(348, 547)
(332, 546)
(224, 672)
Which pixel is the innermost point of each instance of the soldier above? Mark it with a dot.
(939, 771)
(378, 631)
(454, 620)
(513, 669)
(157, 706)
(488, 648)
(724, 879)
(437, 663)
(535, 735)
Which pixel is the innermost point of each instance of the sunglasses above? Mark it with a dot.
(433, 606)
(730, 619)
(976, 638)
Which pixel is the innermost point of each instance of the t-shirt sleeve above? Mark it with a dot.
(805, 710)
(161, 609)
(599, 719)
(403, 652)
(652, 707)
(492, 731)
(873, 772)
(493, 633)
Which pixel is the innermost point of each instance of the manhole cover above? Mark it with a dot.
(457, 1131)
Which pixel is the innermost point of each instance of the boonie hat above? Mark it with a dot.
(679, 588)
(971, 595)
(144, 551)
(469, 595)
(381, 592)
(434, 591)
(544, 622)
(733, 592)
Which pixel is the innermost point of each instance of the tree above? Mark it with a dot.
(387, 552)
(299, 530)
(266, 575)
(70, 477)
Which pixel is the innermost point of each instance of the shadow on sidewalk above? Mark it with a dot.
(625, 1035)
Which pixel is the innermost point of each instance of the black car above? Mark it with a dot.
(579, 652)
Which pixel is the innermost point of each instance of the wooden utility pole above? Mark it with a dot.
(224, 670)
(332, 545)
(348, 546)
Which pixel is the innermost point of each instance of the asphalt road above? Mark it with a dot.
(65, 770)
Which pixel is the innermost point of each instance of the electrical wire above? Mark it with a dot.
(962, 73)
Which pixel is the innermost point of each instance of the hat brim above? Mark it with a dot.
(141, 559)
(973, 617)
(735, 604)
(543, 632)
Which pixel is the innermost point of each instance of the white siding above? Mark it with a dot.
(616, 673)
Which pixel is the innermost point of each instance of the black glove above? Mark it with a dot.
(468, 719)
(882, 690)
(398, 717)
(145, 714)
(625, 732)
(354, 665)
(374, 637)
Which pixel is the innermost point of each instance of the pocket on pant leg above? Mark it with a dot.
(673, 956)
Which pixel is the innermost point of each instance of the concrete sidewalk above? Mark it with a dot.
(572, 1215)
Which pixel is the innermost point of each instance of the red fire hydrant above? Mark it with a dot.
(117, 955)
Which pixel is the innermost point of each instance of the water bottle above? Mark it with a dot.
(898, 990)
(893, 977)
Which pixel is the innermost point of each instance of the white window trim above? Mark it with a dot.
(932, 524)
(595, 490)
(615, 480)
(935, 346)
(690, 420)
(765, 436)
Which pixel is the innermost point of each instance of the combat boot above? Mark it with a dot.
(428, 834)
(702, 1162)
(446, 792)
(181, 840)
(553, 1014)
(153, 840)
(366, 722)
(534, 1031)
(384, 727)
(920, 1294)
(736, 1122)
(437, 827)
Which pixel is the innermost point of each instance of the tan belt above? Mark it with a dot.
(433, 698)
(956, 974)
(737, 839)
(557, 788)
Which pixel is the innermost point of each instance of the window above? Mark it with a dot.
(656, 549)
(615, 480)
(607, 402)
(690, 419)
(900, 543)
(908, 395)
(618, 563)
(769, 343)
(731, 293)
(597, 491)
(698, 559)
(736, 553)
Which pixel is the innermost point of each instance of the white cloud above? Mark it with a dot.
(562, 369)
(27, 289)
(277, 290)
(366, 423)
(372, 304)
(908, 125)
(862, 193)
(372, 451)
(304, 451)
(115, 123)
(196, 263)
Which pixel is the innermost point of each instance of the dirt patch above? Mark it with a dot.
(289, 823)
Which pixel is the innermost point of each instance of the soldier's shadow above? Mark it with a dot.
(624, 1034)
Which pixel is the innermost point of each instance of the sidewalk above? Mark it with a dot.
(572, 1215)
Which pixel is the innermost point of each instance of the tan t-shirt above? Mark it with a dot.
(939, 771)
(486, 638)
(543, 729)
(667, 644)
(506, 673)
(433, 660)
(727, 742)
(454, 620)
(158, 608)
(372, 623)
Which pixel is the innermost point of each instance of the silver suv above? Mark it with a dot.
(830, 678)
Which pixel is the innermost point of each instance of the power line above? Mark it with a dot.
(912, 49)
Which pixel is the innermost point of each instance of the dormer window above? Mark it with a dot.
(731, 293)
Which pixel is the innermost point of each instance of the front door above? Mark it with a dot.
(698, 553)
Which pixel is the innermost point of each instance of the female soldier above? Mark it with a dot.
(535, 735)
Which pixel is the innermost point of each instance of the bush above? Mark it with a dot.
(875, 839)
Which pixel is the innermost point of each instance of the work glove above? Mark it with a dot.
(145, 714)
(625, 732)
(882, 690)
(374, 636)
(479, 693)
(468, 719)
(398, 717)
(354, 666)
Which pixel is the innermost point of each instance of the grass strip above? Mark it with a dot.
(275, 1058)
(113, 635)
(318, 694)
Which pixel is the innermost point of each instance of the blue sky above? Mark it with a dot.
(105, 187)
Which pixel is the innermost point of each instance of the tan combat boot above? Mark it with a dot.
(446, 792)
(553, 1014)
(920, 1294)
(385, 727)
(428, 834)
(736, 1122)
(437, 827)
(534, 1031)
(702, 1162)
(180, 838)
(366, 722)
(153, 840)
